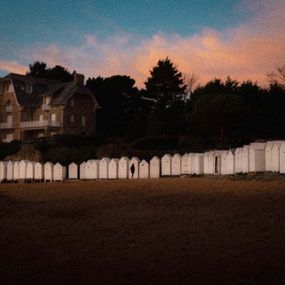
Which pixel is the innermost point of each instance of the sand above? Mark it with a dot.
(164, 231)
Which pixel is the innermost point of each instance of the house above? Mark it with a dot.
(34, 107)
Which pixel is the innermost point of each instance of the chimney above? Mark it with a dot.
(78, 79)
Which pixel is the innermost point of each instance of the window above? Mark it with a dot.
(83, 121)
(72, 102)
(47, 100)
(53, 117)
(72, 118)
(9, 107)
(29, 88)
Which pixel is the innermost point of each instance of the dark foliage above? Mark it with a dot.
(40, 70)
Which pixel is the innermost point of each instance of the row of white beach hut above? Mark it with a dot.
(255, 157)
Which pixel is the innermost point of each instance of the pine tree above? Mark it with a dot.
(165, 86)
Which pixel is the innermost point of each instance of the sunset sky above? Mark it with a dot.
(241, 39)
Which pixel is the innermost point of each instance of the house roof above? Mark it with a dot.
(59, 91)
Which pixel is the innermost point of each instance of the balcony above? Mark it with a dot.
(40, 124)
(46, 107)
(6, 125)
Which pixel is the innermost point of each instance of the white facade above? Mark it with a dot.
(185, 164)
(206, 162)
(166, 165)
(134, 161)
(48, 171)
(92, 169)
(238, 160)
(23, 169)
(268, 155)
(244, 159)
(39, 171)
(123, 170)
(10, 170)
(103, 168)
(197, 162)
(30, 170)
(143, 169)
(16, 171)
(282, 158)
(113, 168)
(82, 170)
(72, 171)
(257, 157)
(224, 163)
(154, 167)
(228, 162)
(275, 156)
(3, 171)
(59, 172)
(176, 165)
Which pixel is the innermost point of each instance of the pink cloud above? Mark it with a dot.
(12, 66)
(248, 51)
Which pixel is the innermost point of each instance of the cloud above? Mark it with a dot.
(247, 51)
(12, 66)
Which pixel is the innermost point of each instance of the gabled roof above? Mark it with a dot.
(59, 91)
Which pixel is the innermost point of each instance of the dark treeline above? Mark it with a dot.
(219, 114)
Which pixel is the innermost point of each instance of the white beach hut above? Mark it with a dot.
(224, 163)
(59, 172)
(3, 171)
(72, 171)
(185, 164)
(103, 168)
(92, 169)
(23, 169)
(176, 164)
(48, 171)
(143, 169)
(16, 171)
(257, 157)
(228, 162)
(82, 170)
(10, 170)
(166, 165)
(231, 161)
(206, 162)
(113, 168)
(154, 167)
(30, 171)
(134, 161)
(244, 159)
(39, 171)
(192, 161)
(268, 155)
(123, 170)
(275, 155)
(197, 162)
(282, 158)
(238, 160)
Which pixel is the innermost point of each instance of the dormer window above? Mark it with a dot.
(22, 86)
(29, 88)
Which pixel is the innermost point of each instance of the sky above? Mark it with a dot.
(210, 39)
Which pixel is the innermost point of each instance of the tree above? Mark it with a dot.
(278, 76)
(119, 100)
(39, 69)
(165, 85)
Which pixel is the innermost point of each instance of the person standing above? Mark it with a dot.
(133, 169)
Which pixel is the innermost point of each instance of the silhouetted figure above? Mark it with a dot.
(133, 170)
